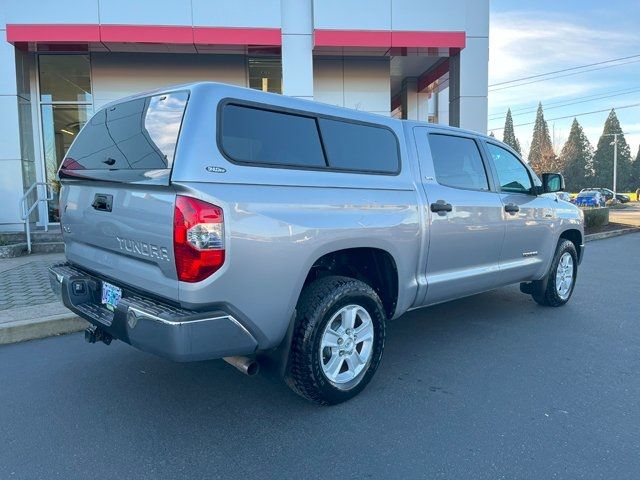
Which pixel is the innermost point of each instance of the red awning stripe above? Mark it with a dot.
(143, 34)
(388, 39)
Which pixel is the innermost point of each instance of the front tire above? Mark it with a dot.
(337, 340)
(557, 287)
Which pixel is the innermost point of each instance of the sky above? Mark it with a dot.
(530, 37)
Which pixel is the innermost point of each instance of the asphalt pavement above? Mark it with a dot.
(491, 386)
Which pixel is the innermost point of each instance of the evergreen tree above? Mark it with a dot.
(541, 155)
(635, 173)
(576, 156)
(509, 136)
(603, 158)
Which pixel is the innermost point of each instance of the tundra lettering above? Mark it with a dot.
(143, 248)
(323, 225)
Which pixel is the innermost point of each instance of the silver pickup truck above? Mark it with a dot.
(208, 221)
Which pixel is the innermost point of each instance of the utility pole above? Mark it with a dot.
(615, 162)
(615, 158)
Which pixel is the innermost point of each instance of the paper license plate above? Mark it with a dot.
(111, 295)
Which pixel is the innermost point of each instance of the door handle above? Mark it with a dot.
(511, 208)
(102, 202)
(441, 207)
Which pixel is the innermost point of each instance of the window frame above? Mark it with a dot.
(532, 191)
(300, 113)
(491, 186)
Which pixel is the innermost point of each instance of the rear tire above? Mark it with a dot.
(557, 287)
(337, 341)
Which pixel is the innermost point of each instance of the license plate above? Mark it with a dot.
(111, 295)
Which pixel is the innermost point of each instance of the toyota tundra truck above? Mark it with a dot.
(209, 221)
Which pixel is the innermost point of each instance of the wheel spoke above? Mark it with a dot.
(332, 368)
(354, 362)
(330, 339)
(349, 317)
(364, 332)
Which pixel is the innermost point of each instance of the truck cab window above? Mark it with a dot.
(512, 174)
(457, 162)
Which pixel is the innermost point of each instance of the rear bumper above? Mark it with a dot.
(175, 333)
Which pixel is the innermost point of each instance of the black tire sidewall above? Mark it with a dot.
(552, 292)
(374, 311)
(318, 304)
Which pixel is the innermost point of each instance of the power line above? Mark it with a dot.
(574, 115)
(563, 103)
(563, 76)
(564, 70)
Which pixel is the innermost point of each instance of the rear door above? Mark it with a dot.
(529, 218)
(466, 227)
(116, 201)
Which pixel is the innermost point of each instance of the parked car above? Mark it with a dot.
(589, 198)
(209, 221)
(609, 194)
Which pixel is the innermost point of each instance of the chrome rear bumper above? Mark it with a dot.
(151, 325)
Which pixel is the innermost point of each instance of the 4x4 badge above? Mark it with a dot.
(214, 169)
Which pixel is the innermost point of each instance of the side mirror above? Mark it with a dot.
(552, 182)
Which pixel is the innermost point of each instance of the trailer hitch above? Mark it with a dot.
(95, 334)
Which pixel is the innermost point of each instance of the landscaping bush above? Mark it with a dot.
(595, 217)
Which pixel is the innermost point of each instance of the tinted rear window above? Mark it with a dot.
(139, 134)
(254, 135)
(354, 146)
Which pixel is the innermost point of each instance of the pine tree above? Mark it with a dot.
(576, 156)
(635, 173)
(541, 155)
(603, 158)
(509, 136)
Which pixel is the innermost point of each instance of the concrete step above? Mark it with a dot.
(38, 236)
(47, 247)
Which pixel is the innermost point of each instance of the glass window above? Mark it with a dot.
(457, 162)
(355, 146)
(60, 126)
(262, 136)
(138, 134)
(265, 74)
(512, 174)
(65, 78)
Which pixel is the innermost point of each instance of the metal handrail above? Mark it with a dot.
(26, 211)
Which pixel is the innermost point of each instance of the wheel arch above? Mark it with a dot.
(374, 266)
(574, 236)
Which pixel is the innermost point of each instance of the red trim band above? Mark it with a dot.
(236, 36)
(143, 34)
(53, 33)
(388, 39)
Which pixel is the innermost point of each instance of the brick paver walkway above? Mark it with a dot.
(26, 285)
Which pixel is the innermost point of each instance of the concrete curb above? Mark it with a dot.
(22, 330)
(612, 233)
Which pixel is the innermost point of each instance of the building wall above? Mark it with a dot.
(361, 83)
(148, 71)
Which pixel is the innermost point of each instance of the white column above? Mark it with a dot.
(410, 99)
(297, 48)
(468, 85)
(11, 162)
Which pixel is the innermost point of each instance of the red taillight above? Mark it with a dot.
(198, 238)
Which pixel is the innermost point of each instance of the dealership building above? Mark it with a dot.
(62, 61)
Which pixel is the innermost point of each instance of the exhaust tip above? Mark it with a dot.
(246, 365)
(253, 368)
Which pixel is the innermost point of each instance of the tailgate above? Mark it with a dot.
(123, 232)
